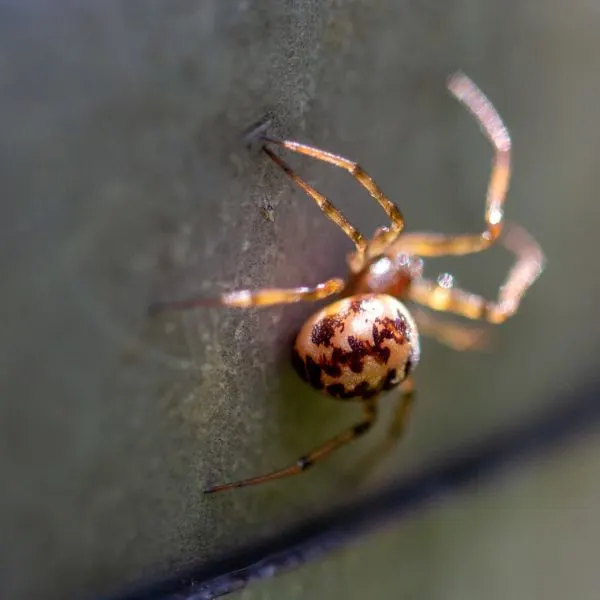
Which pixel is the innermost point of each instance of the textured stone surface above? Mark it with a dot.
(123, 180)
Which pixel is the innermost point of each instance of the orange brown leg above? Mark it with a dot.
(457, 336)
(396, 430)
(527, 268)
(330, 211)
(262, 297)
(432, 244)
(392, 211)
(403, 410)
(316, 455)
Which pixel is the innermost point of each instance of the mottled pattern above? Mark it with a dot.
(324, 330)
(357, 347)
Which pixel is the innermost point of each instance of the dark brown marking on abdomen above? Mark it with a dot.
(314, 373)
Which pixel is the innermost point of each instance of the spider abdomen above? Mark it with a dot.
(357, 346)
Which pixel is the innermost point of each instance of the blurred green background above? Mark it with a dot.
(124, 180)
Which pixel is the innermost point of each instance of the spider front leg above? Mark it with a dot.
(432, 244)
(248, 298)
(308, 460)
(392, 211)
(328, 209)
(442, 296)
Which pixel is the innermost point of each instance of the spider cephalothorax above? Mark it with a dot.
(391, 274)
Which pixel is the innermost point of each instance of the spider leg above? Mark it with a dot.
(457, 336)
(261, 297)
(528, 266)
(308, 460)
(324, 204)
(392, 211)
(396, 429)
(402, 413)
(432, 244)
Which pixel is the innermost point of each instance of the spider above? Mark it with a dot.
(367, 341)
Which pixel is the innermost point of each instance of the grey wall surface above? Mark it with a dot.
(123, 180)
